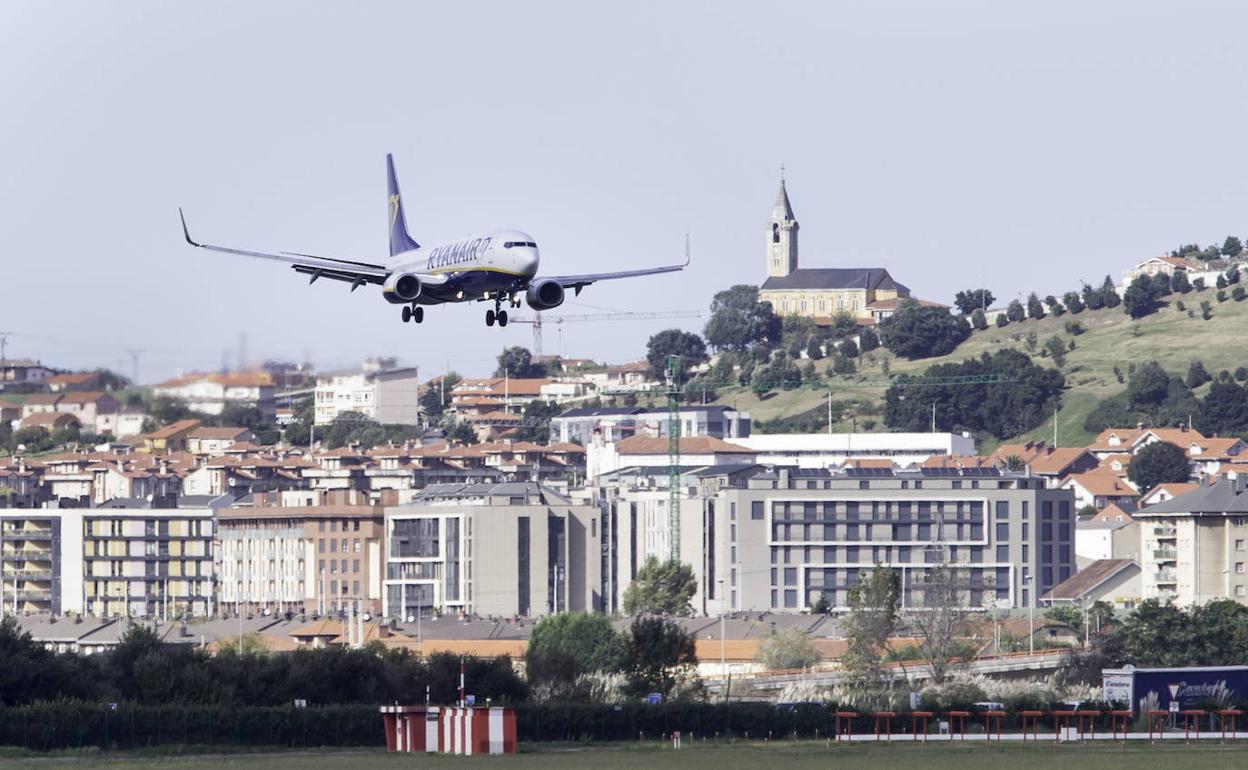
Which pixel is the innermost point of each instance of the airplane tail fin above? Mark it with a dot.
(400, 241)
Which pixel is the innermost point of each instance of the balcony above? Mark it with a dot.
(1166, 554)
(1165, 531)
(26, 552)
(1166, 576)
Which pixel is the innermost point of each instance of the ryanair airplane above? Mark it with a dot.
(497, 267)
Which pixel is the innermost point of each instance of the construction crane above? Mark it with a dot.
(538, 321)
(673, 390)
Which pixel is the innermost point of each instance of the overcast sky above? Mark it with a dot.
(1024, 145)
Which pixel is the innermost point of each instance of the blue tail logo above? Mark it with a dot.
(400, 241)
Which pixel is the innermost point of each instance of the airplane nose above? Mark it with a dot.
(534, 259)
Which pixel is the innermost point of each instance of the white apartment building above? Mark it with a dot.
(379, 391)
(1194, 548)
(823, 450)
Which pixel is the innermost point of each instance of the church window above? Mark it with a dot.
(775, 232)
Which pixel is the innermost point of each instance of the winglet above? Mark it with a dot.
(186, 232)
(687, 257)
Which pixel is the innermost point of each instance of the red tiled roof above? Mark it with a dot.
(651, 445)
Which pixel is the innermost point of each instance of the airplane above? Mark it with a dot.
(498, 266)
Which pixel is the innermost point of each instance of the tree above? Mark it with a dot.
(1224, 410)
(1073, 302)
(1092, 298)
(1066, 614)
(1206, 309)
(848, 349)
(674, 342)
(1158, 463)
(437, 395)
(1002, 321)
(565, 647)
(868, 340)
(920, 331)
(661, 588)
(780, 374)
(517, 362)
(1241, 373)
(1035, 308)
(1238, 294)
(874, 602)
(740, 322)
(1180, 283)
(1198, 284)
(843, 324)
(1141, 297)
(1055, 307)
(978, 319)
(940, 623)
(461, 432)
(1057, 350)
(1014, 311)
(1232, 247)
(660, 655)
(787, 649)
(1197, 375)
(1109, 293)
(1013, 395)
(1220, 282)
(970, 300)
(814, 349)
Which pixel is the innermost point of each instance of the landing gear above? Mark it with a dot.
(415, 313)
(497, 314)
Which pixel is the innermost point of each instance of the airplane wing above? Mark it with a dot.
(350, 271)
(578, 282)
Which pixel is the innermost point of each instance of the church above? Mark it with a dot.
(869, 294)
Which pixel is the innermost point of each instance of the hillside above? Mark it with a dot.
(1112, 339)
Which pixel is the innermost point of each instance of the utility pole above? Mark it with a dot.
(933, 417)
(4, 341)
(134, 364)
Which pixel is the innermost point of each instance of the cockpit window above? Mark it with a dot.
(519, 244)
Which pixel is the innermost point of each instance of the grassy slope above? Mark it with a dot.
(1112, 339)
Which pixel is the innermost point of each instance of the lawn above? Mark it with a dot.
(790, 756)
(1112, 339)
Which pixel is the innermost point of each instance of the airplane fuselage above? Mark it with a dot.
(502, 261)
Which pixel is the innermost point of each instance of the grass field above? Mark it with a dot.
(754, 755)
(1112, 339)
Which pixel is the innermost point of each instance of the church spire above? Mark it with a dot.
(782, 211)
(782, 235)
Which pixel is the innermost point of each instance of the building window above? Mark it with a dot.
(1239, 567)
(1239, 590)
(756, 510)
(1239, 545)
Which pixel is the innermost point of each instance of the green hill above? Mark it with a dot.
(1170, 336)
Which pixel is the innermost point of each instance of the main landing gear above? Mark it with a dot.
(414, 313)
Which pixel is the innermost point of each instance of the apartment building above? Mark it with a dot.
(779, 538)
(379, 390)
(143, 561)
(492, 549)
(1194, 547)
(304, 551)
(611, 424)
(212, 393)
(30, 560)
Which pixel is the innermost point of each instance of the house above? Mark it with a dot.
(214, 441)
(1163, 492)
(883, 309)
(1051, 462)
(1208, 454)
(60, 383)
(21, 371)
(1116, 581)
(49, 421)
(1110, 534)
(40, 402)
(171, 438)
(1154, 266)
(95, 410)
(1100, 488)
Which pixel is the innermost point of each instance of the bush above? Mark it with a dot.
(1241, 373)
(1238, 293)
(1002, 321)
(1221, 295)
(1199, 284)
(1206, 309)
(1179, 306)
(1075, 328)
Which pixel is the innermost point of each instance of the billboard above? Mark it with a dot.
(1175, 689)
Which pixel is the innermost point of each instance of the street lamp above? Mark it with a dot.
(723, 668)
(1030, 580)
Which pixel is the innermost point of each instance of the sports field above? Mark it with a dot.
(754, 755)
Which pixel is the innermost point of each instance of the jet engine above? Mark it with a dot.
(401, 287)
(544, 295)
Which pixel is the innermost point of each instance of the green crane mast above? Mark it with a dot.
(673, 457)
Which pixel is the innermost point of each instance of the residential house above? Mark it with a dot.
(1116, 581)
(1050, 462)
(59, 383)
(1100, 488)
(379, 391)
(212, 441)
(1163, 492)
(96, 411)
(23, 371)
(173, 437)
(49, 421)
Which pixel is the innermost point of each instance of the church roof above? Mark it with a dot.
(782, 209)
(876, 278)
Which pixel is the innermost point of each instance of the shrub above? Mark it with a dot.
(1075, 328)
(1002, 321)
(1221, 295)
(1206, 309)
(1199, 284)
(1238, 293)
(1179, 306)
(1241, 373)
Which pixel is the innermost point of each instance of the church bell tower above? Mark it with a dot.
(781, 236)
